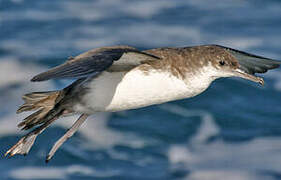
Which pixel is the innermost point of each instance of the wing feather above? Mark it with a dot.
(95, 61)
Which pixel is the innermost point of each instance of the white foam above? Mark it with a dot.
(241, 42)
(38, 173)
(96, 131)
(95, 11)
(136, 34)
(151, 34)
(17, 1)
(147, 8)
(218, 159)
(88, 43)
(92, 11)
(97, 135)
(33, 14)
(161, 35)
(216, 4)
(228, 174)
(85, 11)
(91, 36)
(276, 76)
(206, 130)
(13, 72)
(35, 172)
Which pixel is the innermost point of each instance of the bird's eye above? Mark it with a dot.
(222, 63)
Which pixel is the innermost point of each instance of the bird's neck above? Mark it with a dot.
(200, 79)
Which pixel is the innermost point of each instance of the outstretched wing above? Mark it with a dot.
(251, 63)
(93, 62)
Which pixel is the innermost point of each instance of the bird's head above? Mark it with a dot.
(244, 65)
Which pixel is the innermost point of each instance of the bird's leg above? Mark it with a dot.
(25, 143)
(67, 135)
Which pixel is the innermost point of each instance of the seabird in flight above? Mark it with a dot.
(118, 78)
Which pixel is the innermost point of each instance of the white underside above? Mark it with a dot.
(119, 91)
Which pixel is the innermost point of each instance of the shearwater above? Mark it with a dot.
(117, 78)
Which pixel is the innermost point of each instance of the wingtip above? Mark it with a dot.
(34, 79)
(19, 111)
(39, 77)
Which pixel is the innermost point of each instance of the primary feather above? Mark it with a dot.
(94, 62)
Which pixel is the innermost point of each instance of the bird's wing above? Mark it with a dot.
(93, 62)
(251, 63)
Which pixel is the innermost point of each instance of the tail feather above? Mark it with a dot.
(43, 102)
(48, 107)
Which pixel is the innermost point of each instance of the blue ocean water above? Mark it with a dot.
(232, 131)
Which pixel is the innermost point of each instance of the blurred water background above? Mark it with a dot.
(232, 131)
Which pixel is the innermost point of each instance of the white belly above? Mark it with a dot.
(135, 89)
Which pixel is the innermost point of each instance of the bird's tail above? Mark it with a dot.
(48, 110)
(49, 106)
(44, 103)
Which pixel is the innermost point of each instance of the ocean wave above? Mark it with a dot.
(276, 77)
(13, 71)
(88, 25)
(14, 82)
(35, 172)
(229, 174)
(241, 42)
(137, 34)
(255, 159)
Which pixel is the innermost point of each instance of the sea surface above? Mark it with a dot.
(231, 131)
